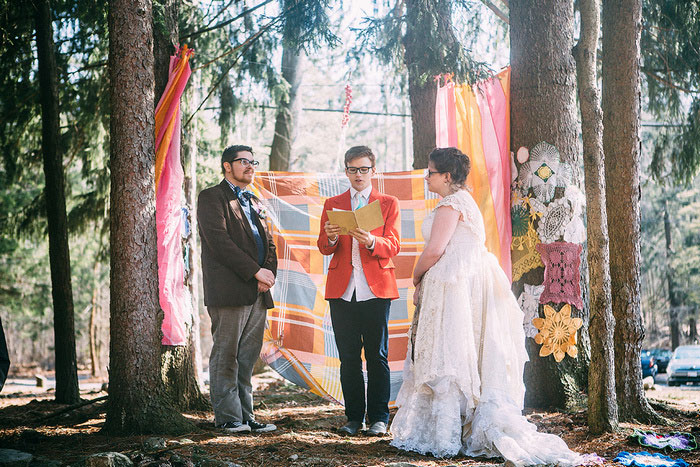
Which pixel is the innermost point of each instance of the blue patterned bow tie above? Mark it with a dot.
(243, 195)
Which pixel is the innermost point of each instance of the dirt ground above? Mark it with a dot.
(306, 434)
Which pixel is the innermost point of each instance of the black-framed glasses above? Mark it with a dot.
(246, 162)
(431, 172)
(354, 170)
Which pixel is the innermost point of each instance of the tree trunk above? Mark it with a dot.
(189, 160)
(287, 110)
(673, 301)
(94, 357)
(693, 330)
(136, 398)
(434, 18)
(178, 369)
(621, 111)
(67, 391)
(543, 76)
(602, 405)
(543, 108)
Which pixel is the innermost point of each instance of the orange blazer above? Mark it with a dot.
(376, 263)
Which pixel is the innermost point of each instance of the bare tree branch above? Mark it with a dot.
(245, 46)
(498, 12)
(224, 23)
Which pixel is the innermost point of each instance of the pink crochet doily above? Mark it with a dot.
(561, 273)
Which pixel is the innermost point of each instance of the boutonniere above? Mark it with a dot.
(262, 212)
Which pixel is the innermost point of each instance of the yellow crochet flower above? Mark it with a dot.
(557, 332)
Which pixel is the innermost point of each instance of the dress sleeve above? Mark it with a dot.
(457, 202)
(463, 202)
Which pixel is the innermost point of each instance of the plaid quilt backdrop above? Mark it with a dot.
(299, 342)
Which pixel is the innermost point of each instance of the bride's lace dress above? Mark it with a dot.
(463, 391)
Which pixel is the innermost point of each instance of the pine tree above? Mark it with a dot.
(137, 403)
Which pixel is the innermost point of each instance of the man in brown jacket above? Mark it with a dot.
(239, 264)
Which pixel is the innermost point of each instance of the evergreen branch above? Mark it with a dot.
(670, 84)
(224, 23)
(90, 66)
(497, 11)
(246, 45)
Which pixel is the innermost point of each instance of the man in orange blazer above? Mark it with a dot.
(359, 288)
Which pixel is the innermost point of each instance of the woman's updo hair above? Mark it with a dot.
(452, 161)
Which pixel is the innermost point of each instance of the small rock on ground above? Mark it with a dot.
(107, 459)
(14, 458)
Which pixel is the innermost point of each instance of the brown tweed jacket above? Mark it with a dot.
(229, 252)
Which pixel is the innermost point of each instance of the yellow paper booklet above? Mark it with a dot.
(367, 218)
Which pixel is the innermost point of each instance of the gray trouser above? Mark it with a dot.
(238, 333)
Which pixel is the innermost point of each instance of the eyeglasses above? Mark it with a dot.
(354, 170)
(431, 172)
(246, 162)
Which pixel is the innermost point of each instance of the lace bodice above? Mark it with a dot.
(470, 228)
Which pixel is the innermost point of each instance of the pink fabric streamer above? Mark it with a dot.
(445, 118)
(492, 117)
(492, 106)
(174, 299)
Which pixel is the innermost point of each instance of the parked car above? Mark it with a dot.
(684, 366)
(662, 357)
(649, 367)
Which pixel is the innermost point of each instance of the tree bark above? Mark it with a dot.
(178, 368)
(543, 108)
(621, 111)
(94, 357)
(602, 404)
(137, 403)
(434, 18)
(673, 299)
(543, 76)
(189, 160)
(67, 390)
(693, 329)
(288, 110)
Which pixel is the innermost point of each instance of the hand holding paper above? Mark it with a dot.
(362, 236)
(332, 231)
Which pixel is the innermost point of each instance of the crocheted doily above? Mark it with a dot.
(561, 273)
(544, 172)
(556, 217)
(529, 302)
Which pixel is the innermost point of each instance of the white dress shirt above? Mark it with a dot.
(358, 282)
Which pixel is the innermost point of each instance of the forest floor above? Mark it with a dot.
(306, 436)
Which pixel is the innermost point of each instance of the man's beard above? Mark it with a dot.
(246, 177)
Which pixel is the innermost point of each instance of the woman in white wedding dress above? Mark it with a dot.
(463, 387)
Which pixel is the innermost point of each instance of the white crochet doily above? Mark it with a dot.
(556, 217)
(544, 172)
(529, 302)
(575, 231)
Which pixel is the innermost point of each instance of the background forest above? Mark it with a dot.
(275, 75)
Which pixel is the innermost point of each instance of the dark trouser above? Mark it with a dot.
(4, 357)
(357, 325)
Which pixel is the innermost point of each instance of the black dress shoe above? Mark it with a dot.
(351, 428)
